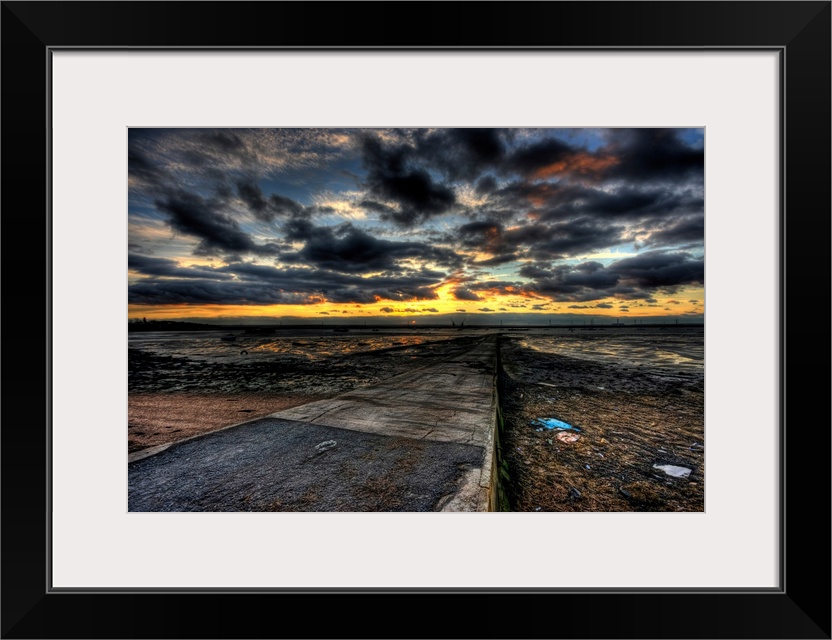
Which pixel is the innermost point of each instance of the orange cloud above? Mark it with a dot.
(580, 164)
(541, 194)
(457, 277)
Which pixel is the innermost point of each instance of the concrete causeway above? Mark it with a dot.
(421, 441)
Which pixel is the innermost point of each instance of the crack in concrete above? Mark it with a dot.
(325, 412)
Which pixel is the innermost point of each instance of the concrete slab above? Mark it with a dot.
(450, 401)
(280, 465)
(422, 441)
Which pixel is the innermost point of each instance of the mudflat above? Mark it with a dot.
(636, 401)
(632, 400)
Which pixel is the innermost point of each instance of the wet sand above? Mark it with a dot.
(161, 418)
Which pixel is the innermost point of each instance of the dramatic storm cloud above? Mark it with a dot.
(363, 222)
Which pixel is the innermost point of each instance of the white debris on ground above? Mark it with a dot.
(327, 444)
(673, 470)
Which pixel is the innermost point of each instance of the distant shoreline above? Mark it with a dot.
(171, 325)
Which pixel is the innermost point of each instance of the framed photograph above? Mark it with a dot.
(526, 198)
(455, 319)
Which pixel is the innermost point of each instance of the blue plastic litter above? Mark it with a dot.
(552, 423)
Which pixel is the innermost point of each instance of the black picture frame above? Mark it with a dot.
(799, 608)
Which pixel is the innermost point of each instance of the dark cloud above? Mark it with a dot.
(391, 176)
(631, 278)
(135, 247)
(530, 159)
(403, 293)
(496, 287)
(248, 283)
(211, 151)
(477, 234)
(251, 194)
(217, 232)
(283, 206)
(534, 271)
(387, 309)
(653, 154)
(485, 236)
(481, 147)
(351, 294)
(142, 169)
(302, 229)
(486, 309)
(573, 238)
(267, 208)
(600, 305)
(463, 153)
(386, 211)
(455, 154)
(689, 229)
(496, 260)
(460, 293)
(623, 203)
(220, 140)
(210, 292)
(661, 269)
(553, 241)
(564, 220)
(164, 267)
(486, 185)
(348, 249)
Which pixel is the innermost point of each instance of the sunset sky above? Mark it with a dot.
(425, 225)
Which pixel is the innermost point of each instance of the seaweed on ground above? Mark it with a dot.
(649, 418)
